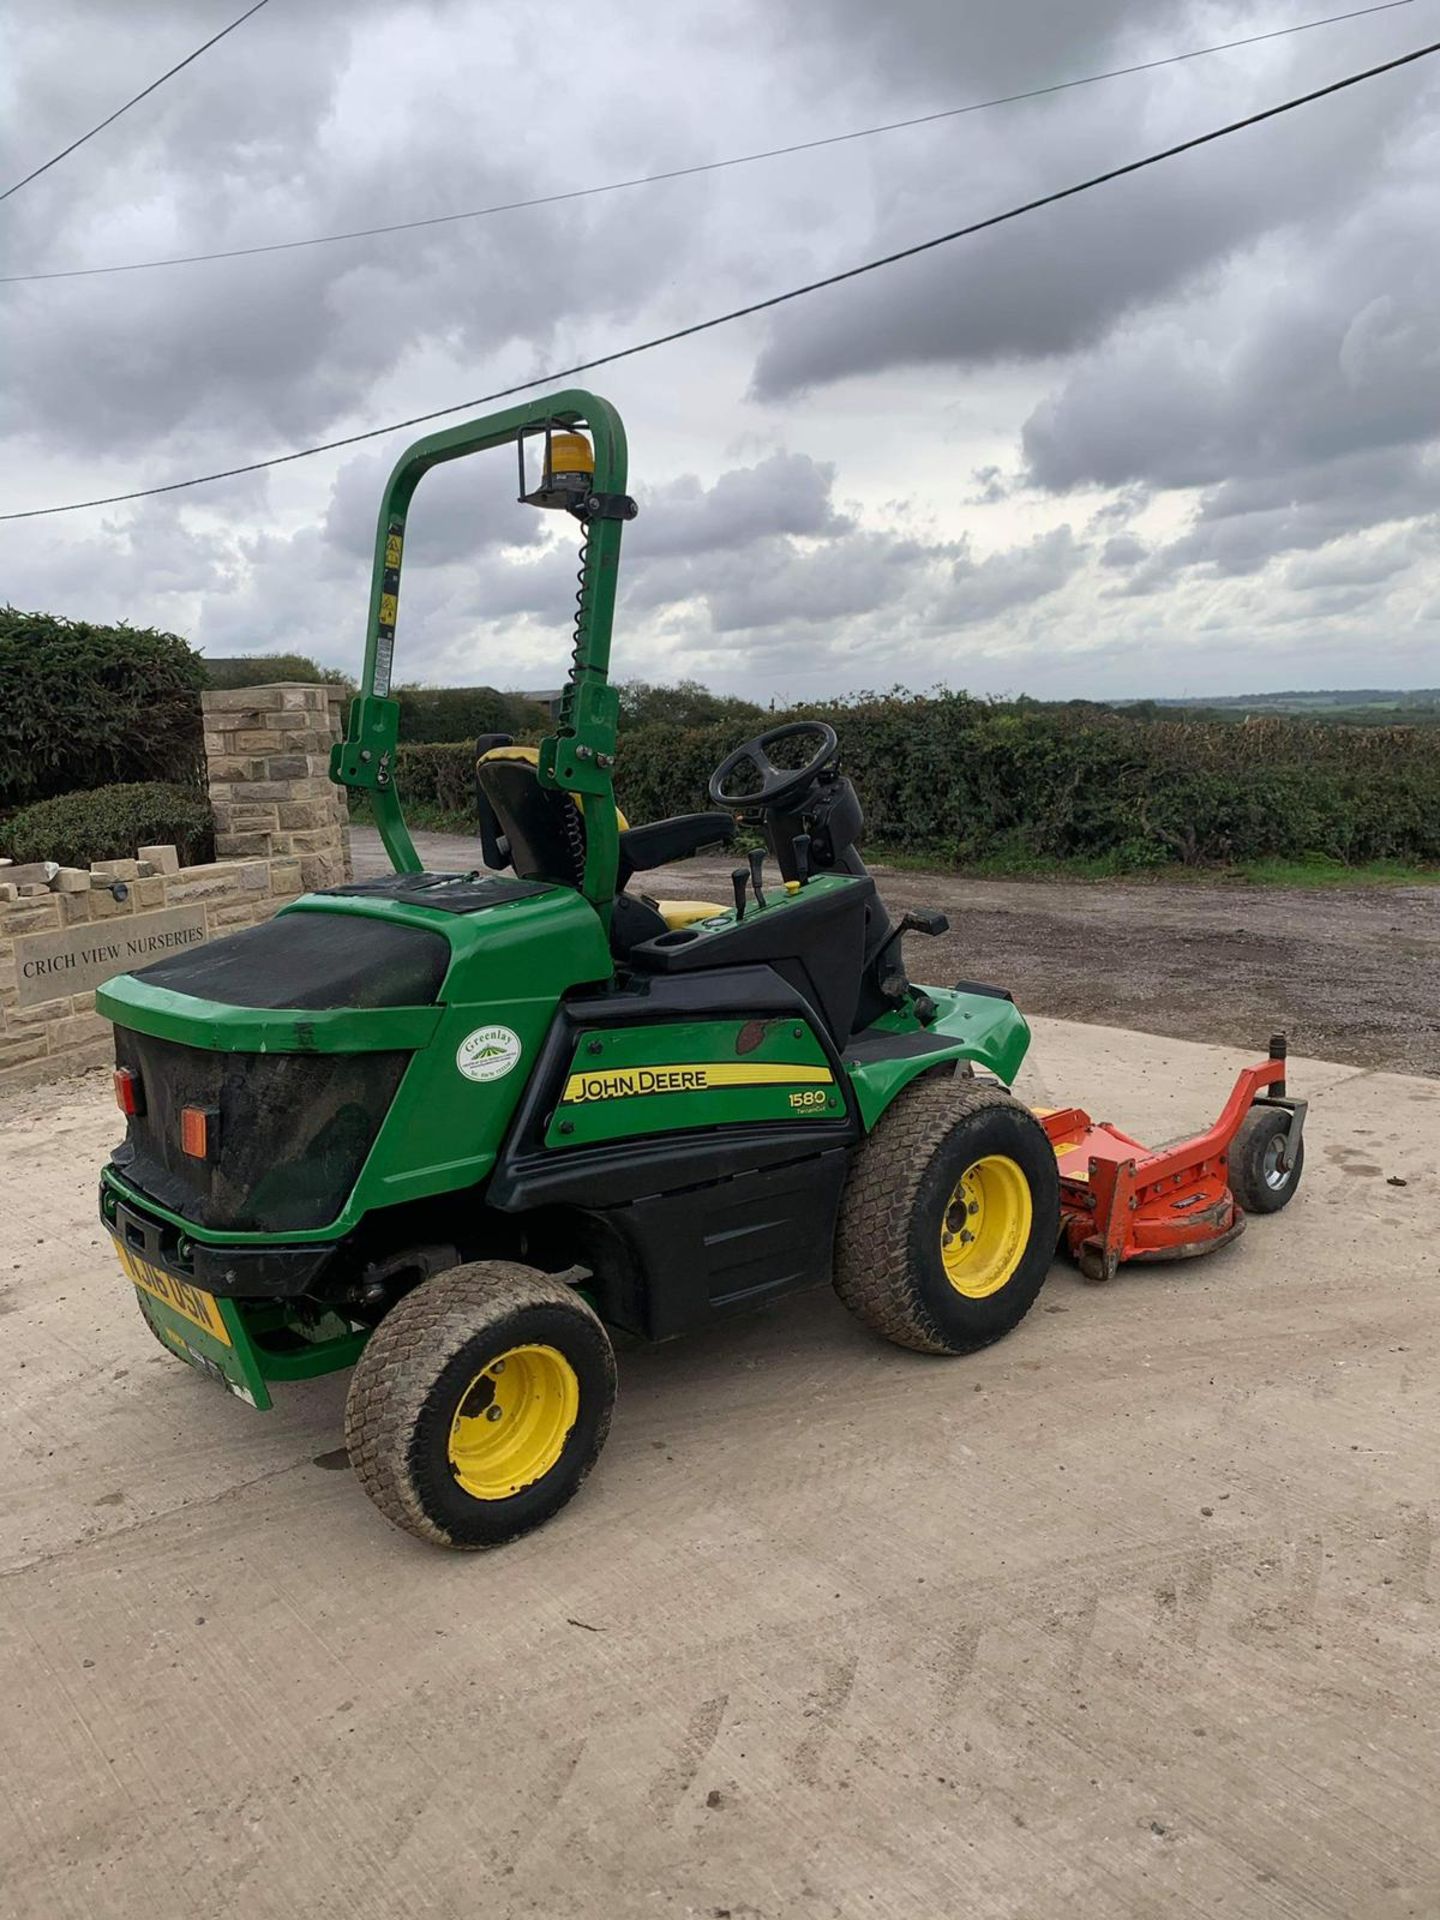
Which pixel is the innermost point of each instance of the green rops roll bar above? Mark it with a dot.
(580, 755)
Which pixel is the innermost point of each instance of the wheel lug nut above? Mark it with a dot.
(974, 1207)
(492, 1413)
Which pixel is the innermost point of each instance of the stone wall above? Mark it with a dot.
(281, 830)
(267, 755)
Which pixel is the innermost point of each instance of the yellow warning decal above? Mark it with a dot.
(392, 550)
(387, 609)
(623, 1083)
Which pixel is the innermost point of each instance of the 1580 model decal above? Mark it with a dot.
(622, 1083)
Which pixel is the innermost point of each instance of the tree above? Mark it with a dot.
(686, 703)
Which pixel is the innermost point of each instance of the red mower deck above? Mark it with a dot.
(1121, 1200)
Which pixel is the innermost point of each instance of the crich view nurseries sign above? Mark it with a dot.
(81, 958)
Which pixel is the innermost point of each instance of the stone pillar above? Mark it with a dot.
(267, 754)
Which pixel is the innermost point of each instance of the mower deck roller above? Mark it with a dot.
(454, 1129)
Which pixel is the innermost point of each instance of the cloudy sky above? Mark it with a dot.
(1181, 435)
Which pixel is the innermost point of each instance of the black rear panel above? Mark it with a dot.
(294, 1129)
(311, 960)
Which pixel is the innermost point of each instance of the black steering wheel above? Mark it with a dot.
(779, 786)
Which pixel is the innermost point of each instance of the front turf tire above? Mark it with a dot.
(946, 1156)
(479, 1404)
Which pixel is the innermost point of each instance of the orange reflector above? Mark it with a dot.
(194, 1131)
(128, 1095)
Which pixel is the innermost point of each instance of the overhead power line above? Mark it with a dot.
(144, 94)
(755, 306)
(685, 173)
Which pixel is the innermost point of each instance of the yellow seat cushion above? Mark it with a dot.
(684, 913)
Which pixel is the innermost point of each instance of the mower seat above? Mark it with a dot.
(542, 835)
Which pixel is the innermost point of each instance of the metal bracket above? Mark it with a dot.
(1297, 1109)
(607, 506)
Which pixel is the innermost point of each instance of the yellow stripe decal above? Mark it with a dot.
(620, 1083)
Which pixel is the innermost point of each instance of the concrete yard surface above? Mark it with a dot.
(1133, 1614)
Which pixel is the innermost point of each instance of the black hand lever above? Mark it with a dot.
(924, 920)
(757, 867)
(738, 880)
(800, 846)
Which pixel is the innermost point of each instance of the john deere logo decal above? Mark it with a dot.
(624, 1083)
(488, 1053)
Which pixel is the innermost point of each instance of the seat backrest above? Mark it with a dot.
(543, 825)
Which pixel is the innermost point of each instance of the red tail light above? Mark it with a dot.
(129, 1094)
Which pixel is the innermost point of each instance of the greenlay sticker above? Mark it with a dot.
(489, 1053)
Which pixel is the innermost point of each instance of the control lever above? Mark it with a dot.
(924, 920)
(757, 867)
(800, 846)
(738, 880)
(893, 983)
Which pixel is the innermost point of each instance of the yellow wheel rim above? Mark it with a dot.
(986, 1228)
(513, 1421)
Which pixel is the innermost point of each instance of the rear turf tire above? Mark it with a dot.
(948, 1155)
(1263, 1174)
(480, 1404)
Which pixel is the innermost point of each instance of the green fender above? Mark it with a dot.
(987, 1028)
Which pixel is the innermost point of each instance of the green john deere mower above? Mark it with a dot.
(451, 1128)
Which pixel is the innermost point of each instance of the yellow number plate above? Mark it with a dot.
(201, 1309)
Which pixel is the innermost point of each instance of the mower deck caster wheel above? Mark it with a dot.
(1093, 1269)
(1264, 1173)
(480, 1403)
(949, 1219)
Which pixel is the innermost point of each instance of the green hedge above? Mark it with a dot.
(109, 823)
(267, 669)
(964, 780)
(438, 777)
(961, 780)
(86, 705)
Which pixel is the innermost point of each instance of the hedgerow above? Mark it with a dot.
(109, 823)
(963, 780)
(87, 705)
(447, 714)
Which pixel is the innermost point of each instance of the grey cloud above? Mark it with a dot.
(788, 493)
(275, 137)
(1123, 550)
(856, 575)
(1240, 528)
(921, 44)
(458, 511)
(1353, 563)
(1060, 279)
(981, 590)
(1307, 355)
(1301, 403)
(991, 487)
(1242, 346)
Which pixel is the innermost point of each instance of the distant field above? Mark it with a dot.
(1359, 706)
